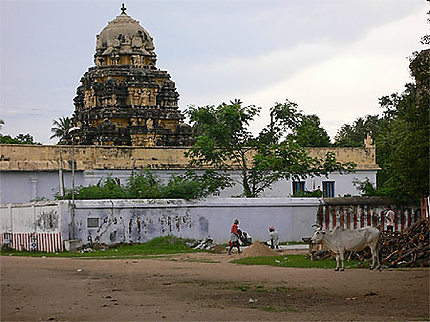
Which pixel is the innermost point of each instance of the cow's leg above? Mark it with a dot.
(372, 251)
(342, 259)
(378, 256)
(375, 256)
(337, 262)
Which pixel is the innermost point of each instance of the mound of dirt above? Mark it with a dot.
(258, 249)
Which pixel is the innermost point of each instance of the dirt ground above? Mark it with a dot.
(204, 287)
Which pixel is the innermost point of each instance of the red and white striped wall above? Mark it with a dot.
(42, 242)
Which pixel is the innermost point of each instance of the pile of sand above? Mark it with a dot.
(258, 249)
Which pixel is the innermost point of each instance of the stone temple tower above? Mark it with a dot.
(125, 99)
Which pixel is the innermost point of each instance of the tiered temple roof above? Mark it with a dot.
(125, 99)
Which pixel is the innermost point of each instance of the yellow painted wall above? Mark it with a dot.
(16, 157)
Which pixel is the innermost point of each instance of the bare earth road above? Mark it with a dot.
(204, 287)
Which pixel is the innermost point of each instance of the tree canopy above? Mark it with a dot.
(224, 141)
(19, 139)
(354, 135)
(309, 132)
(401, 136)
(403, 143)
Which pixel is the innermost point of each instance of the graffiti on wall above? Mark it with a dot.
(139, 225)
(47, 220)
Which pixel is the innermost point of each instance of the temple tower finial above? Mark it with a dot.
(123, 8)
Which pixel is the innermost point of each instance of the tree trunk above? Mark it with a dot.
(246, 188)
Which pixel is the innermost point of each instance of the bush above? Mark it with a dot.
(107, 188)
(366, 188)
(308, 194)
(146, 185)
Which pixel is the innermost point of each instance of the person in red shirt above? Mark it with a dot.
(234, 237)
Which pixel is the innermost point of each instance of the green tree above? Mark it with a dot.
(60, 128)
(309, 132)
(223, 141)
(354, 135)
(19, 139)
(404, 142)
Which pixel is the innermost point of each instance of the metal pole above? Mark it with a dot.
(61, 176)
(72, 233)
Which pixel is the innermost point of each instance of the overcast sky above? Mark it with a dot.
(334, 58)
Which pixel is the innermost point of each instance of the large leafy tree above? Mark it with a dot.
(401, 136)
(353, 135)
(309, 132)
(60, 128)
(224, 141)
(403, 144)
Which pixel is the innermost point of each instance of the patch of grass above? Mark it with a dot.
(200, 260)
(261, 289)
(157, 246)
(298, 261)
(293, 243)
(242, 287)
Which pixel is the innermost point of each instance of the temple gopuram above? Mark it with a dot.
(125, 99)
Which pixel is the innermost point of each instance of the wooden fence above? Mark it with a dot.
(364, 212)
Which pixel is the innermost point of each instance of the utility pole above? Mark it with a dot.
(72, 132)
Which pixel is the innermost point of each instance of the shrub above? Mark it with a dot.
(315, 194)
(146, 185)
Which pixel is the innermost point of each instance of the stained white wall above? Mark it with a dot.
(142, 220)
(36, 217)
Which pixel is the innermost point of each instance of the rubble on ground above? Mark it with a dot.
(206, 243)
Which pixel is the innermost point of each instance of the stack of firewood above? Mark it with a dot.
(407, 249)
(398, 249)
(317, 255)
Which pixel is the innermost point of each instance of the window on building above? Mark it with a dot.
(298, 188)
(328, 188)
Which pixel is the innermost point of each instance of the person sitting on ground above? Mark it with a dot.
(246, 239)
(234, 236)
(274, 238)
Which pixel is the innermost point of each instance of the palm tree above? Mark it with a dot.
(60, 128)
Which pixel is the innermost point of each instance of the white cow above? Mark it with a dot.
(340, 240)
